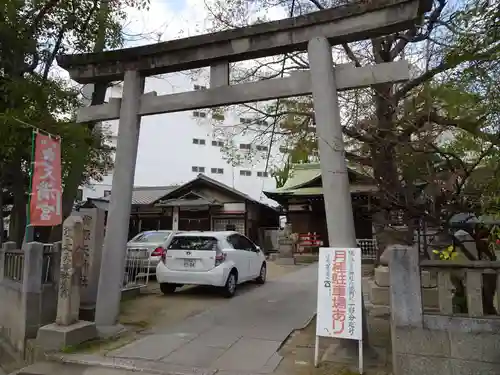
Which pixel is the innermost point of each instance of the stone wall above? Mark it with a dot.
(444, 344)
(28, 291)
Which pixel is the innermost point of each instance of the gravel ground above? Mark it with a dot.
(298, 353)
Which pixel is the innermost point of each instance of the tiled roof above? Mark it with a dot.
(144, 195)
(148, 194)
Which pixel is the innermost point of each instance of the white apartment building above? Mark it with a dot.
(174, 148)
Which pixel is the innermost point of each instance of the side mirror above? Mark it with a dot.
(257, 249)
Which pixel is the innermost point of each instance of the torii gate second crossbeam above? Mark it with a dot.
(314, 32)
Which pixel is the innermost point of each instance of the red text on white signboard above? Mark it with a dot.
(339, 293)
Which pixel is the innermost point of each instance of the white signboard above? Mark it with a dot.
(339, 294)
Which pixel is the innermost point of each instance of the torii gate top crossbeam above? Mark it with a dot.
(355, 21)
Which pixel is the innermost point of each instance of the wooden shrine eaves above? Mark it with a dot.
(347, 23)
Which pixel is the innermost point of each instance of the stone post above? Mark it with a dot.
(93, 239)
(406, 292)
(32, 287)
(68, 330)
(115, 241)
(72, 258)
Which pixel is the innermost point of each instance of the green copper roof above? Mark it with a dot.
(303, 174)
(300, 175)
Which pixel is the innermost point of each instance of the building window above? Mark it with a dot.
(79, 195)
(262, 174)
(217, 143)
(218, 116)
(199, 114)
(217, 171)
(283, 149)
(199, 87)
(245, 146)
(107, 193)
(261, 148)
(244, 120)
(198, 141)
(198, 169)
(245, 173)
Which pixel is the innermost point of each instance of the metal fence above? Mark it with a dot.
(50, 264)
(369, 248)
(14, 265)
(137, 270)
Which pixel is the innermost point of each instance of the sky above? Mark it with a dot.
(172, 19)
(167, 20)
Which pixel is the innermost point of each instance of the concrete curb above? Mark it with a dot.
(135, 365)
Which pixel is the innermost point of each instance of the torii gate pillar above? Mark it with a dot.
(336, 193)
(115, 241)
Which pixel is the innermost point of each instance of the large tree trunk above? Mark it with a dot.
(2, 229)
(17, 226)
(75, 177)
(385, 170)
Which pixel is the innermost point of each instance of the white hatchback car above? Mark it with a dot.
(221, 259)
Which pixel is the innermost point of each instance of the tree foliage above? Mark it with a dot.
(427, 140)
(35, 93)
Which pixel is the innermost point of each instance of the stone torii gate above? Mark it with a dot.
(314, 32)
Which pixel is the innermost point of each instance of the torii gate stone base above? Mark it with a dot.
(315, 32)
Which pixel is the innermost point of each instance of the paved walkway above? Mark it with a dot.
(242, 336)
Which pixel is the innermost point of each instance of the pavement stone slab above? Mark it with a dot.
(194, 325)
(241, 336)
(267, 331)
(220, 337)
(271, 364)
(152, 347)
(247, 355)
(195, 354)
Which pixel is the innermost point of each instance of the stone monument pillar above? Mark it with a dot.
(93, 239)
(68, 330)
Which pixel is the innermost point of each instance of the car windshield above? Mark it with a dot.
(151, 237)
(193, 243)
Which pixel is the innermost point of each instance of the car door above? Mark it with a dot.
(240, 256)
(253, 253)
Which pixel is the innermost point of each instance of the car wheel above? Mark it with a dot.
(167, 288)
(262, 274)
(230, 288)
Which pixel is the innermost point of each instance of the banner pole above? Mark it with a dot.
(316, 351)
(28, 233)
(360, 346)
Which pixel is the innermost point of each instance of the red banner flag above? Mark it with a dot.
(46, 187)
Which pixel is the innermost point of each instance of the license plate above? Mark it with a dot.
(137, 253)
(189, 263)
